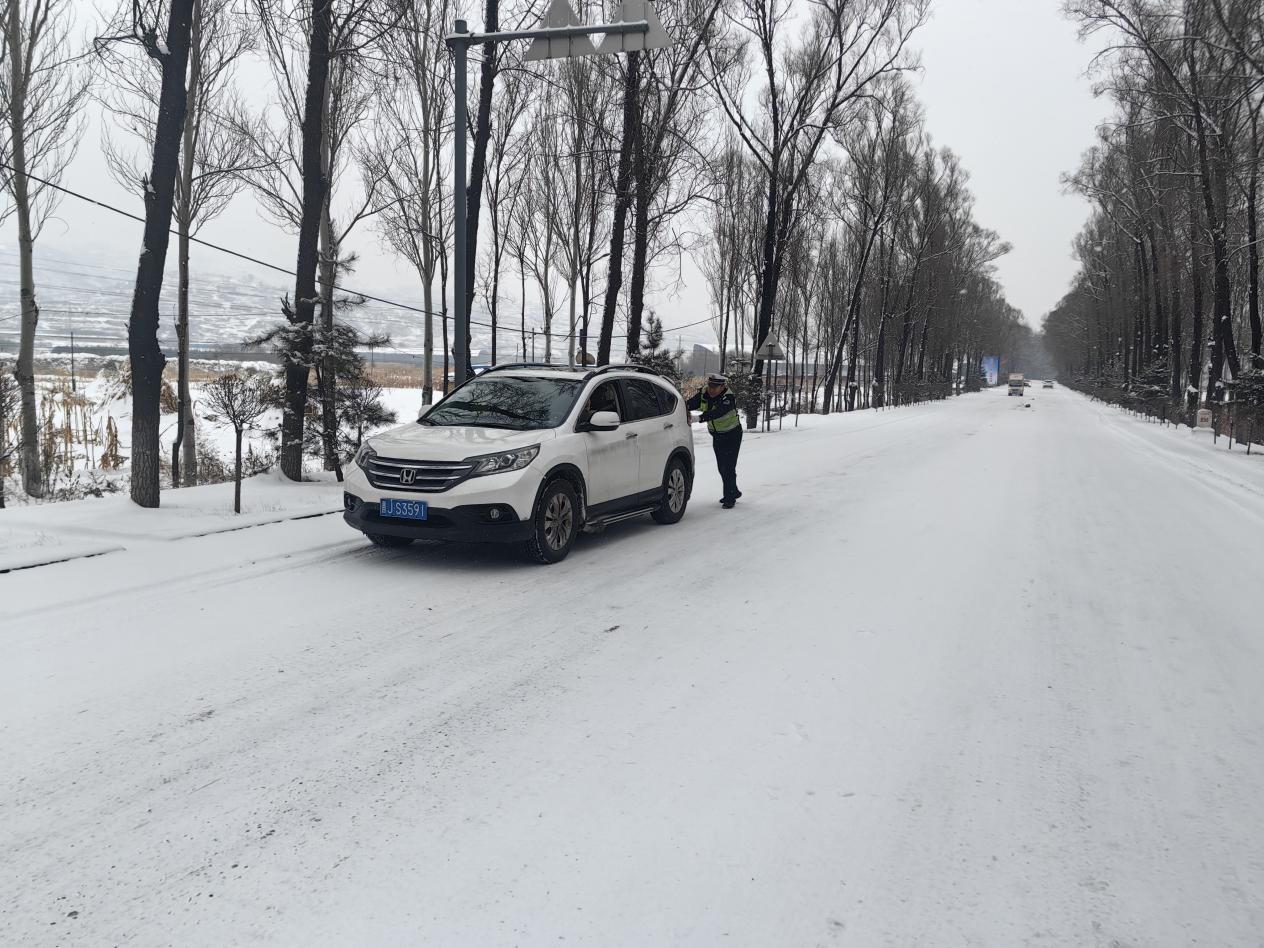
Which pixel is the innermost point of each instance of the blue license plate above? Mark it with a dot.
(403, 509)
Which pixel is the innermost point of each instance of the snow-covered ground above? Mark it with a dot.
(966, 673)
(83, 420)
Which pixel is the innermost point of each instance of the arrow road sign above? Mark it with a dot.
(560, 15)
(630, 11)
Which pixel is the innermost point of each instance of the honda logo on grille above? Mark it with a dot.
(408, 475)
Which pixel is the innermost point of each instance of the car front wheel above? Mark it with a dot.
(675, 493)
(555, 524)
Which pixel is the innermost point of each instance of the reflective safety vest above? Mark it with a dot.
(726, 422)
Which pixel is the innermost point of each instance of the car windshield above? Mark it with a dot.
(502, 401)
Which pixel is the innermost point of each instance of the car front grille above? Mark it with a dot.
(430, 477)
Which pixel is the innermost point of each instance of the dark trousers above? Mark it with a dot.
(726, 447)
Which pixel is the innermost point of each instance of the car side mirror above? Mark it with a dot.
(425, 410)
(602, 421)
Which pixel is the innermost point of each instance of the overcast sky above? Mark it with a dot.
(1003, 86)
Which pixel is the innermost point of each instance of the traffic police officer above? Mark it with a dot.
(718, 408)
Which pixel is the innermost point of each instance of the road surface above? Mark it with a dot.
(968, 673)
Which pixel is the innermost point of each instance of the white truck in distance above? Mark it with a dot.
(1016, 383)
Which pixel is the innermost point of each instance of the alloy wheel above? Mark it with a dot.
(676, 489)
(559, 520)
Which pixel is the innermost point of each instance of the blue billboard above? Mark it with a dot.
(991, 366)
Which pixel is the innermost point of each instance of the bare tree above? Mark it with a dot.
(1201, 79)
(540, 203)
(660, 101)
(240, 401)
(576, 214)
(322, 105)
(214, 155)
(811, 88)
(503, 190)
(42, 91)
(406, 157)
(10, 401)
(170, 51)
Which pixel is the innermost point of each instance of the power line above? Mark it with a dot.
(280, 269)
(207, 243)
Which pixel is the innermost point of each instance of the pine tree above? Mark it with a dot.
(654, 355)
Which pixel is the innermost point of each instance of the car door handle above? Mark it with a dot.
(629, 437)
(670, 424)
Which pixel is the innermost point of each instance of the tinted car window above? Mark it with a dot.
(642, 399)
(605, 397)
(499, 401)
(666, 400)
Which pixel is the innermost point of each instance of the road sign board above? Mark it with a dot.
(632, 11)
(769, 349)
(560, 15)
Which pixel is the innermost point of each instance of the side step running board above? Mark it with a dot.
(595, 526)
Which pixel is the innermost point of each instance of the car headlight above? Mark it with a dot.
(505, 461)
(364, 456)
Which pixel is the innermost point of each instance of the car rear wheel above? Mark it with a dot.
(388, 542)
(555, 524)
(675, 493)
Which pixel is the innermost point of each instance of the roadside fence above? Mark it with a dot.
(1236, 422)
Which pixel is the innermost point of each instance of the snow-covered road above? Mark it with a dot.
(958, 674)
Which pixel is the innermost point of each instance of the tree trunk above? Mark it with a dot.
(1223, 302)
(303, 314)
(1158, 338)
(1174, 345)
(622, 201)
(1214, 190)
(427, 366)
(328, 374)
(767, 286)
(879, 369)
(478, 167)
(640, 256)
(853, 310)
(145, 355)
(184, 450)
(570, 338)
(28, 437)
(494, 305)
(849, 393)
(1253, 247)
(237, 476)
(877, 391)
(443, 306)
(522, 272)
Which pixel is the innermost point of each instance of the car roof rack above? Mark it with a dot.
(562, 367)
(624, 367)
(555, 366)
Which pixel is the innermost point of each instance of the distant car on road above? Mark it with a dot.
(1048, 383)
(531, 454)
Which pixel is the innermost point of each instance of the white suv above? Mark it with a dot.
(530, 454)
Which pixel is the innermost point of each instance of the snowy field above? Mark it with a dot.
(965, 673)
(95, 418)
